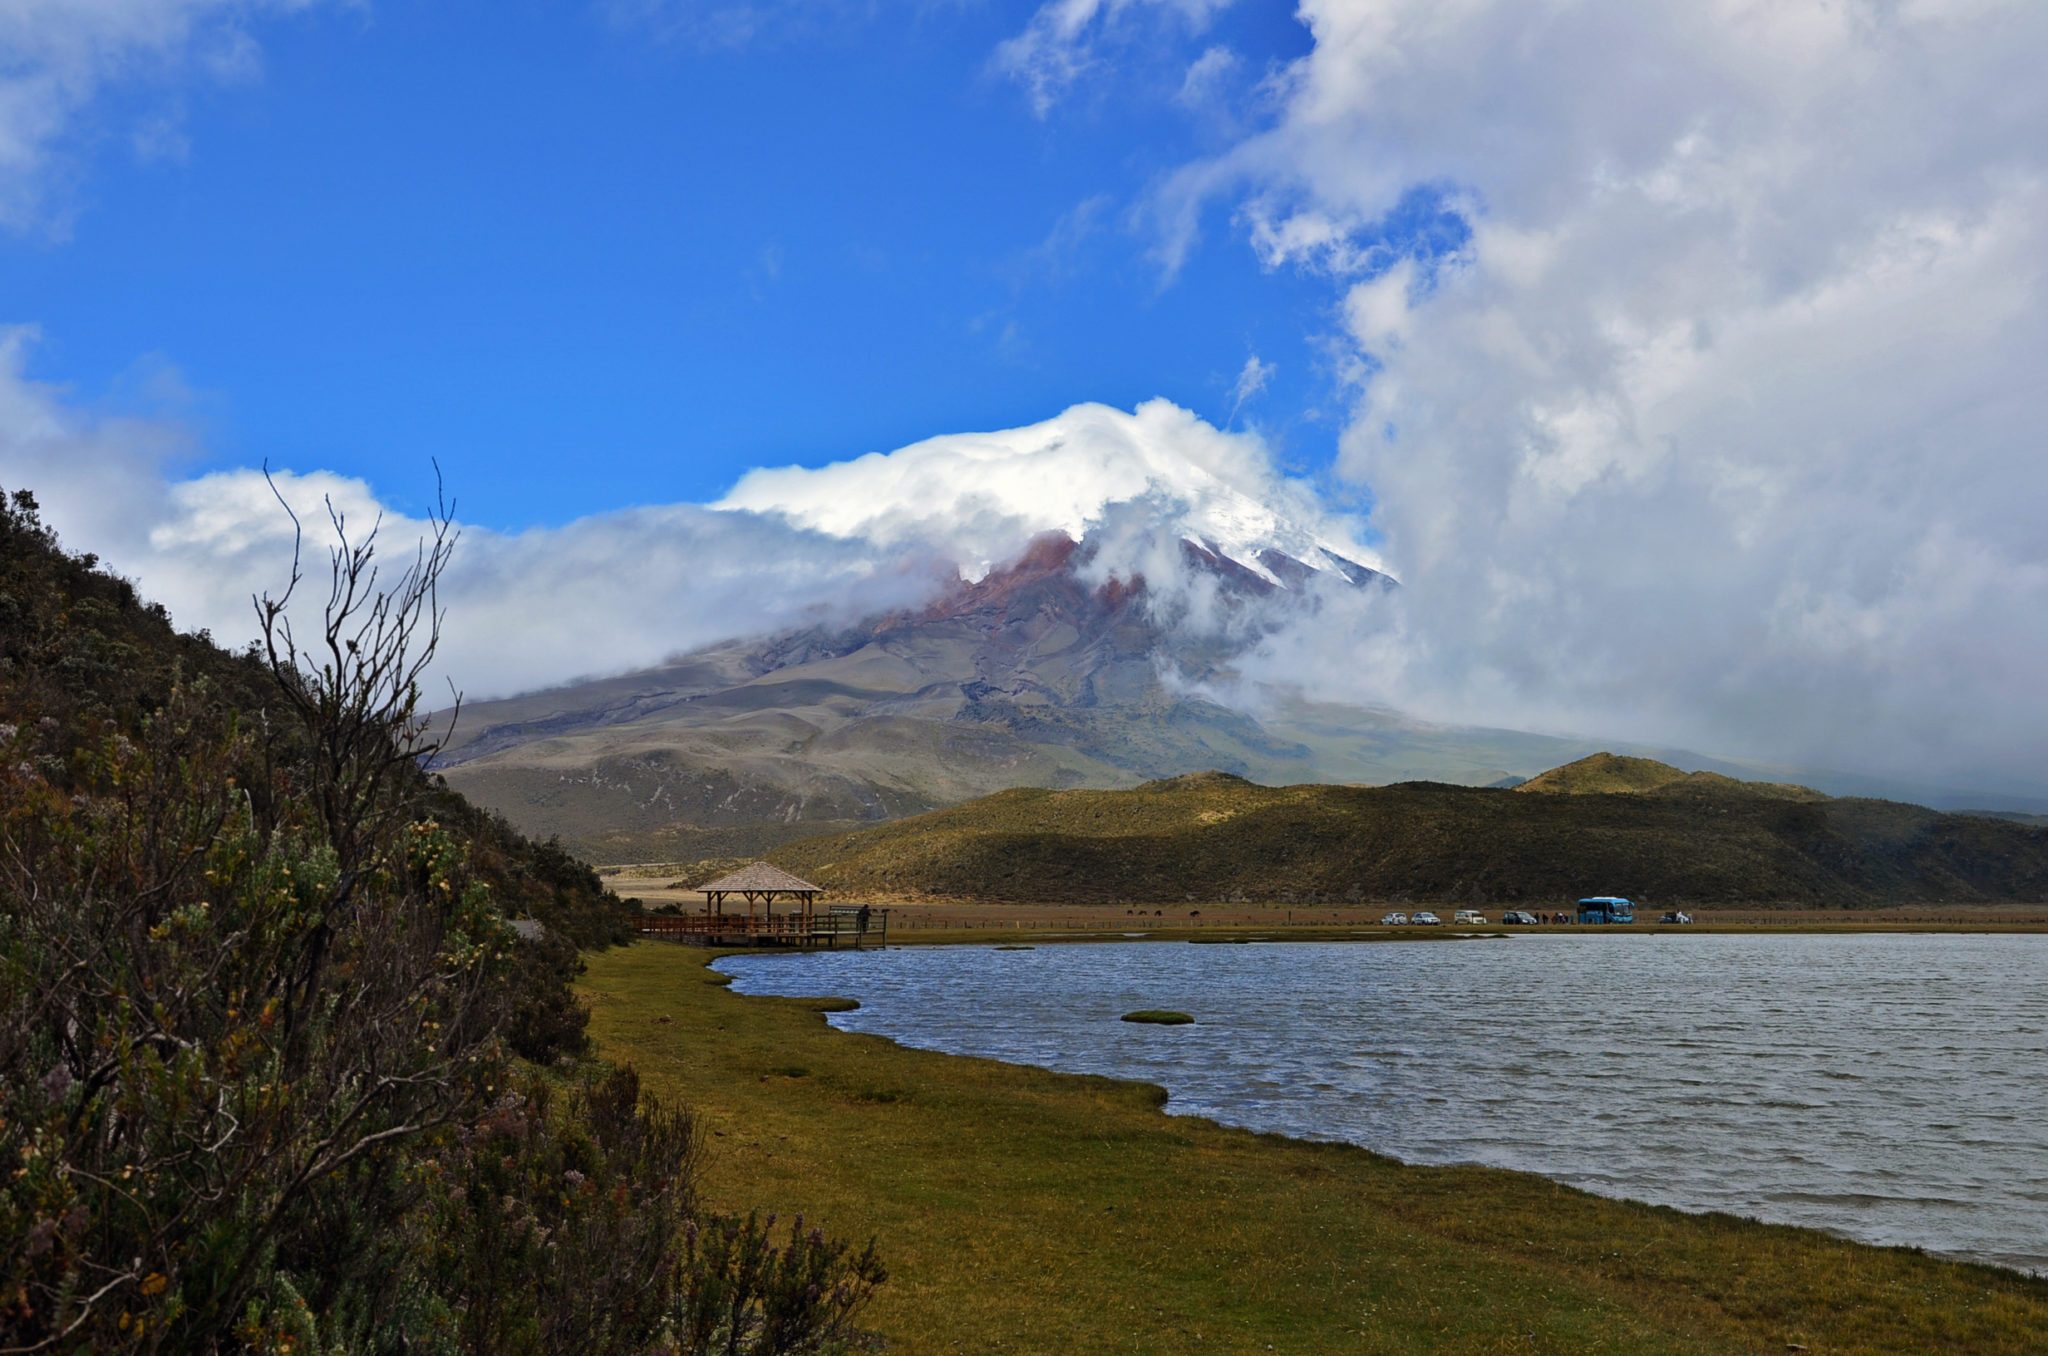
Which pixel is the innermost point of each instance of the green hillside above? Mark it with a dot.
(284, 1063)
(84, 659)
(1680, 839)
(1613, 773)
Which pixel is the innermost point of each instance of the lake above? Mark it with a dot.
(1891, 1088)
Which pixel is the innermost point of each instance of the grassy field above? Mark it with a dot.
(1026, 1211)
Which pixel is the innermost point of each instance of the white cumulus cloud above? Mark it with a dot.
(1723, 428)
(525, 610)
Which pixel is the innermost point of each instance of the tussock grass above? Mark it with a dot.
(1026, 1211)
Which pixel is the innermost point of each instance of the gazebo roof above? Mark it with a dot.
(760, 878)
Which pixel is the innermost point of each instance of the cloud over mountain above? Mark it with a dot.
(787, 547)
(1722, 423)
(981, 497)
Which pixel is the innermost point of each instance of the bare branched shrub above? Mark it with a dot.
(356, 685)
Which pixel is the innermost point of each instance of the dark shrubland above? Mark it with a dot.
(265, 1032)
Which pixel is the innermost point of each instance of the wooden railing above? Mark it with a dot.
(834, 928)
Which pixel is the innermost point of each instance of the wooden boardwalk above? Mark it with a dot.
(841, 925)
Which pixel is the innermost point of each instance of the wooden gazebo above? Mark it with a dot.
(759, 885)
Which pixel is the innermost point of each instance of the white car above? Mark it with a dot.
(1427, 920)
(1395, 919)
(1470, 917)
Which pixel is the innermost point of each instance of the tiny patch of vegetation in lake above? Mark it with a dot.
(1159, 1017)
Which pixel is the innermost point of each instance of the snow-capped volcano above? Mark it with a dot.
(1130, 484)
(1094, 587)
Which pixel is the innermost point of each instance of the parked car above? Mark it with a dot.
(1470, 917)
(1427, 919)
(1520, 919)
(1395, 919)
(1676, 917)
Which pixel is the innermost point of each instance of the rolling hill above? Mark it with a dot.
(1660, 836)
(1614, 774)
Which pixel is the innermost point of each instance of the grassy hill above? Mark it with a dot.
(84, 658)
(1610, 825)
(1614, 774)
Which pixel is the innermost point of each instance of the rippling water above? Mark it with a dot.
(1890, 1088)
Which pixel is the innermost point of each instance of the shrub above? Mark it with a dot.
(259, 1011)
(744, 1295)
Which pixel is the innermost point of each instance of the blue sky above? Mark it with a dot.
(586, 265)
(1682, 361)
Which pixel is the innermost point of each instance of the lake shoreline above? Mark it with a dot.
(1718, 1280)
(919, 919)
(1417, 1055)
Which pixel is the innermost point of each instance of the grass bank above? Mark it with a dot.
(1027, 1211)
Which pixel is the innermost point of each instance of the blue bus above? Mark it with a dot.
(1606, 909)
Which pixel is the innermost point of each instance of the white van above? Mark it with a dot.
(1469, 916)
